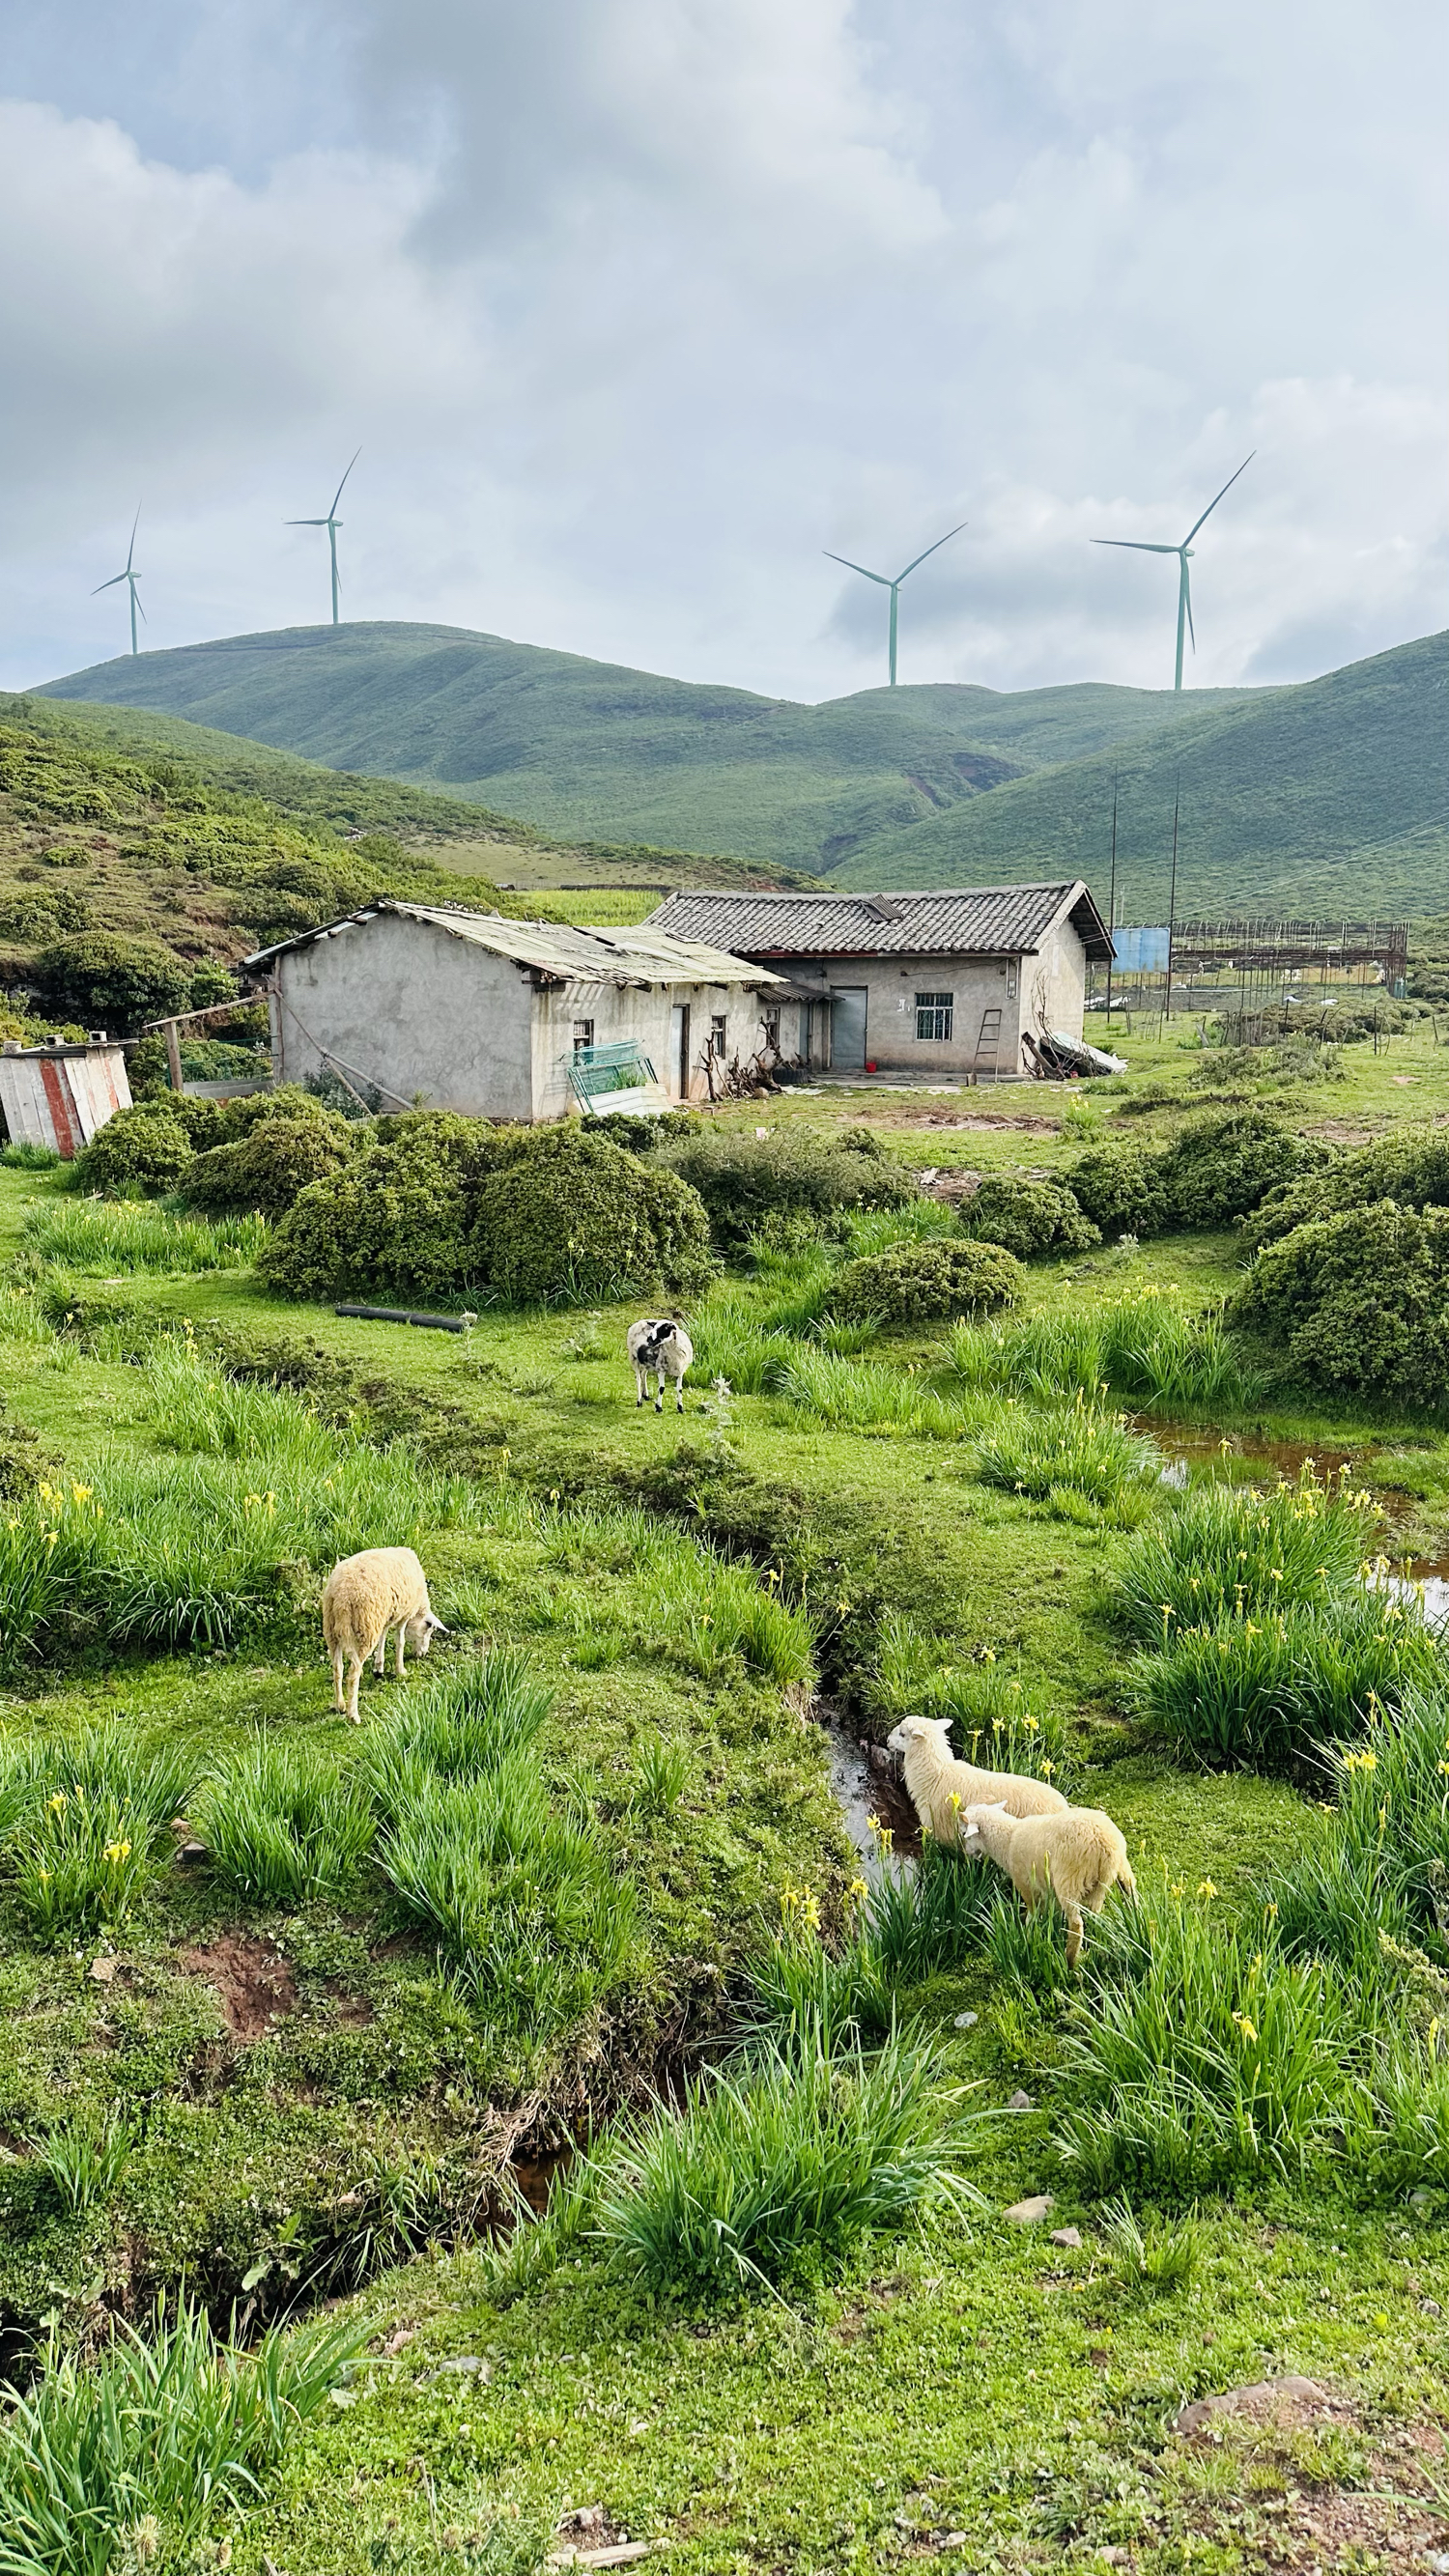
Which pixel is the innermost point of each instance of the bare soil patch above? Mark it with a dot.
(253, 1983)
(1390, 2511)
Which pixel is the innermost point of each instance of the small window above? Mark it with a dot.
(770, 1024)
(935, 1013)
(583, 1035)
(718, 1028)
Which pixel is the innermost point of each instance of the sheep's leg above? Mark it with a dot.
(354, 1679)
(679, 1393)
(338, 1701)
(659, 1390)
(379, 1655)
(401, 1635)
(1073, 1914)
(641, 1385)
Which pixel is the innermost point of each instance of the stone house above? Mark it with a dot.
(413, 1005)
(938, 985)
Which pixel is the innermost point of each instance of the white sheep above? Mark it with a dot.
(1077, 1858)
(661, 1348)
(364, 1599)
(941, 1789)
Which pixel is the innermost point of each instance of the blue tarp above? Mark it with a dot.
(1141, 952)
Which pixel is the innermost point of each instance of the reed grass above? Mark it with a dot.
(1225, 1548)
(1077, 1449)
(1270, 1692)
(1146, 1346)
(457, 1725)
(281, 1827)
(126, 1236)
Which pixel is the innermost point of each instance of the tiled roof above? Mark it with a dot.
(990, 921)
(647, 955)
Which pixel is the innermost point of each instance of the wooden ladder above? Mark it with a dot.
(987, 1046)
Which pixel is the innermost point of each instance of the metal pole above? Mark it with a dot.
(1112, 911)
(1172, 906)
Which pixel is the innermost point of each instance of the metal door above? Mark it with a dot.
(847, 1027)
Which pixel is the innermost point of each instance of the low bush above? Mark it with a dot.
(112, 982)
(779, 2166)
(265, 1172)
(143, 1148)
(1211, 1171)
(577, 1217)
(1118, 1188)
(1359, 1302)
(916, 1283)
(155, 2437)
(397, 1218)
(745, 1181)
(1028, 1218)
(1411, 1168)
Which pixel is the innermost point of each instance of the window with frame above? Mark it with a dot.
(770, 1024)
(583, 1035)
(935, 1014)
(718, 1029)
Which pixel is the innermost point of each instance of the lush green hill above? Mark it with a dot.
(586, 747)
(1329, 797)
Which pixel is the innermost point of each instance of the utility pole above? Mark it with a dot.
(1112, 911)
(1172, 904)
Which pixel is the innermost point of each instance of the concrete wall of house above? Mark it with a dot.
(1059, 977)
(414, 1010)
(977, 986)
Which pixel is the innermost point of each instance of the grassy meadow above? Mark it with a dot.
(299, 2023)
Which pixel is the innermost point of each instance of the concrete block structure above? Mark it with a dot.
(412, 1005)
(935, 986)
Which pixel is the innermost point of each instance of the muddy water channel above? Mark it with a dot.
(871, 1799)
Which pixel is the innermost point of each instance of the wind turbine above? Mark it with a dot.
(331, 523)
(130, 577)
(894, 587)
(1136, 546)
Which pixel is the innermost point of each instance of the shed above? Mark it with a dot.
(60, 1094)
(436, 1007)
(942, 983)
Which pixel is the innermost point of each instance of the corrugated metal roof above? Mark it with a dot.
(647, 955)
(992, 921)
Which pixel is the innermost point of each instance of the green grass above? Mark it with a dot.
(90, 1235)
(280, 1826)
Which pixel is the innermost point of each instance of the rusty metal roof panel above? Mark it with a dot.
(647, 955)
(943, 922)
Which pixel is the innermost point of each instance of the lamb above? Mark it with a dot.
(364, 1599)
(941, 1789)
(659, 1346)
(1077, 1858)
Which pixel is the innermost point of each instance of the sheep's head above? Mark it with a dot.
(977, 1816)
(422, 1630)
(920, 1730)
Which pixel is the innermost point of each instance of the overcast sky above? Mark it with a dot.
(636, 306)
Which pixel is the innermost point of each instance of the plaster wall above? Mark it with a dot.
(412, 1009)
(1056, 984)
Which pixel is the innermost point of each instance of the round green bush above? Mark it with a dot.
(1218, 1168)
(743, 1180)
(1411, 1168)
(1359, 1301)
(576, 1216)
(397, 1218)
(917, 1283)
(265, 1172)
(1119, 1189)
(112, 982)
(143, 1148)
(1028, 1217)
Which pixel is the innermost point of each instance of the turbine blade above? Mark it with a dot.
(338, 493)
(935, 549)
(1212, 505)
(131, 548)
(107, 585)
(145, 620)
(855, 567)
(1134, 545)
(304, 523)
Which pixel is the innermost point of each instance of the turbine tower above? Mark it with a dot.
(130, 577)
(1136, 546)
(894, 587)
(331, 523)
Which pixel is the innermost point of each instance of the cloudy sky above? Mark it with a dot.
(634, 307)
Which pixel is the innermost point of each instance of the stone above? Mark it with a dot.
(1030, 2213)
(102, 1971)
(1071, 2236)
(1263, 2397)
(967, 2021)
(1021, 2102)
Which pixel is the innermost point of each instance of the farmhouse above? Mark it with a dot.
(934, 985)
(411, 1005)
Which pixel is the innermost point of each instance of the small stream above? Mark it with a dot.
(869, 1795)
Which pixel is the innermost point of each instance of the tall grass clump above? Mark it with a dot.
(1145, 1346)
(931, 1917)
(281, 1826)
(1078, 1452)
(117, 1235)
(1383, 1867)
(780, 2165)
(864, 1395)
(1199, 2057)
(457, 1725)
(519, 1893)
(159, 2435)
(992, 1722)
(1225, 1548)
(1281, 1688)
(82, 1820)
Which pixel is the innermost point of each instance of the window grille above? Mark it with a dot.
(935, 1014)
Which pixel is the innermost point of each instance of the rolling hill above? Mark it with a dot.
(1329, 796)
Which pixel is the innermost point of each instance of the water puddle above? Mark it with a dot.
(1193, 1444)
(871, 1800)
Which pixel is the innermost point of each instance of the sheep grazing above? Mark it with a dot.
(659, 1348)
(364, 1599)
(941, 1789)
(1077, 1858)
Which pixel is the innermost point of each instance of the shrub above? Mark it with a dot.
(1028, 1217)
(164, 2432)
(781, 2165)
(918, 1282)
(266, 1172)
(1360, 1301)
(1411, 1168)
(577, 1217)
(142, 1148)
(396, 1219)
(113, 982)
(743, 1181)
(1216, 1169)
(1119, 1189)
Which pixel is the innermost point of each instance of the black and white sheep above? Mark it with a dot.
(662, 1349)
